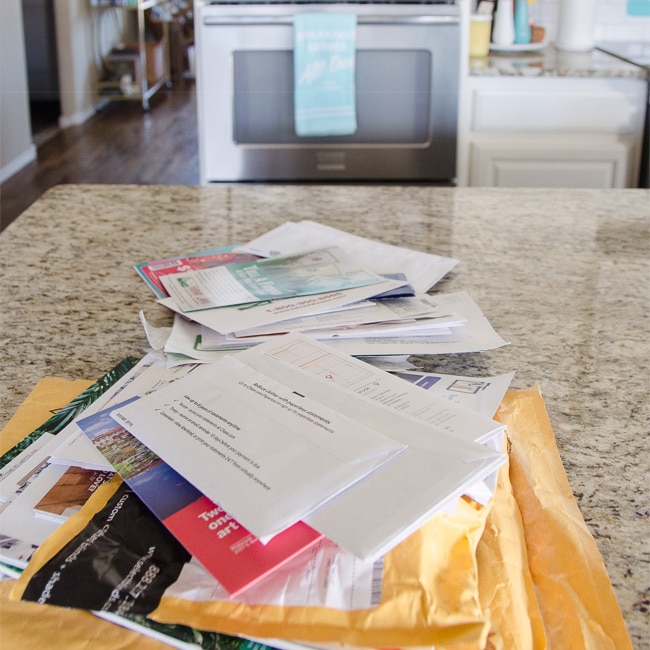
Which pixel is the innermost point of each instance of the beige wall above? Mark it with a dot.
(16, 147)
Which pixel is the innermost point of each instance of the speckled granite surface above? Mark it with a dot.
(551, 62)
(564, 275)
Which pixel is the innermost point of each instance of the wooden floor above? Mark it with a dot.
(121, 143)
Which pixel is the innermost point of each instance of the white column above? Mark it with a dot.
(73, 20)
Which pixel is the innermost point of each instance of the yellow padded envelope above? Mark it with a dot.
(50, 394)
(576, 599)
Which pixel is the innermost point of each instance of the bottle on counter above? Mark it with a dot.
(522, 22)
(503, 29)
(576, 25)
(479, 35)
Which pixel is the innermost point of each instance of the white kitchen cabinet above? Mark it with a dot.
(552, 131)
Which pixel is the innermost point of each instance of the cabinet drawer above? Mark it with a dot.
(558, 105)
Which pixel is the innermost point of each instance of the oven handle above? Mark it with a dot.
(361, 20)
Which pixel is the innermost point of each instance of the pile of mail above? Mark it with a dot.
(260, 437)
(363, 297)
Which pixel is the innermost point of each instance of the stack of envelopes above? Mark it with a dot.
(364, 297)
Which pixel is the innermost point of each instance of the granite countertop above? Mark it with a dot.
(563, 275)
(551, 62)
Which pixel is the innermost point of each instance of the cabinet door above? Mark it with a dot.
(552, 161)
(552, 131)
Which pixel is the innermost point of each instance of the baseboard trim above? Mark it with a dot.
(18, 163)
(76, 118)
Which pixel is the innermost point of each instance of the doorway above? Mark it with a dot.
(42, 68)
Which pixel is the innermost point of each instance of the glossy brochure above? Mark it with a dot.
(301, 274)
(224, 547)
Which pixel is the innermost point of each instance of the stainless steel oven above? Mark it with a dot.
(407, 72)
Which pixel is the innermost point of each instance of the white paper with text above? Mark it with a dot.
(258, 447)
(231, 319)
(440, 463)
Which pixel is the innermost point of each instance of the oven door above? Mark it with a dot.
(407, 76)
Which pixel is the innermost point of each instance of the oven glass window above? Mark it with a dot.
(393, 93)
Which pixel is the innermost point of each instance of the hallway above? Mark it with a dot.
(120, 144)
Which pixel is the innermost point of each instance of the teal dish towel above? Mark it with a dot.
(324, 59)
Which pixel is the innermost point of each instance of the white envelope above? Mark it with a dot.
(422, 270)
(438, 466)
(259, 448)
(476, 334)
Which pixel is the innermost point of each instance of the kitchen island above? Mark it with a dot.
(563, 275)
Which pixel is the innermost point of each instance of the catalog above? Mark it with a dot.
(32, 467)
(22, 531)
(67, 496)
